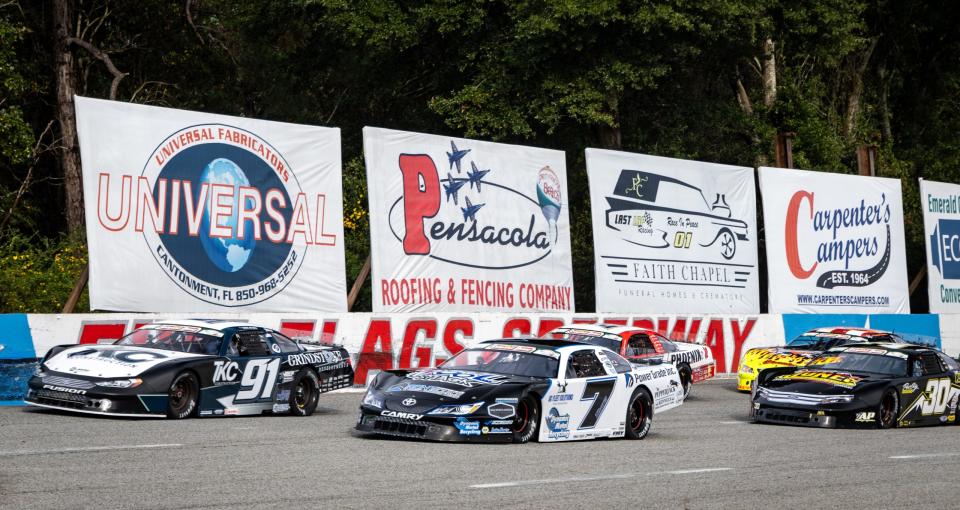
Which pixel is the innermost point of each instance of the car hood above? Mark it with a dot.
(823, 382)
(769, 357)
(112, 361)
(421, 391)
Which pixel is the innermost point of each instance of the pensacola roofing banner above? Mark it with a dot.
(672, 235)
(941, 224)
(465, 225)
(835, 243)
(194, 212)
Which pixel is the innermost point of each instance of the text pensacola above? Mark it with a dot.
(470, 291)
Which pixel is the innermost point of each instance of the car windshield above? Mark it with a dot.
(174, 338)
(883, 364)
(608, 340)
(503, 362)
(818, 341)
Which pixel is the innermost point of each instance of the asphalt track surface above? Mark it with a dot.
(701, 455)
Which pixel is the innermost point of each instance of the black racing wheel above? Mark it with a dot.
(304, 393)
(182, 397)
(888, 409)
(527, 420)
(639, 415)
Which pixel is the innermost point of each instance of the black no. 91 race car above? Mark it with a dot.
(867, 385)
(190, 368)
(521, 390)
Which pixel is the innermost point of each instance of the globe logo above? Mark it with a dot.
(229, 254)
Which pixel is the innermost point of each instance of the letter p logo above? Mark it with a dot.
(421, 200)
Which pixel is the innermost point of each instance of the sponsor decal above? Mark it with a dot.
(909, 388)
(558, 425)
(65, 390)
(498, 430)
(866, 350)
(498, 422)
(118, 357)
(865, 416)
(501, 410)
(773, 357)
(460, 378)
(423, 388)
(231, 411)
(315, 358)
(283, 395)
(409, 402)
(513, 348)
(281, 408)
(225, 372)
(467, 428)
(398, 414)
(560, 397)
(275, 348)
(945, 251)
(834, 378)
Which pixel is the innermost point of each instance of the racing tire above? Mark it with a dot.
(182, 396)
(639, 415)
(686, 379)
(304, 393)
(887, 410)
(527, 420)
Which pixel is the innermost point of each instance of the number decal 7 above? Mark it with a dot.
(597, 390)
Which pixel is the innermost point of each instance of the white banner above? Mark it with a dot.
(941, 224)
(835, 243)
(196, 212)
(465, 225)
(672, 235)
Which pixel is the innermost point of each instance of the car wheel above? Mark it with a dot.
(639, 415)
(182, 397)
(728, 244)
(887, 410)
(527, 420)
(686, 380)
(304, 393)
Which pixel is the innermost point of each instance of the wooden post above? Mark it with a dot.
(358, 284)
(77, 291)
(867, 160)
(918, 279)
(783, 149)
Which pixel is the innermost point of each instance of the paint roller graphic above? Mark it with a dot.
(548, 194)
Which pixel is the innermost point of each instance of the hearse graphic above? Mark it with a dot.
(657, 211)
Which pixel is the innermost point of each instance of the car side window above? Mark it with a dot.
(640, 345)
(621, 365)
(950, 363)
(251, 343)
(586, 364)
(931, 364)
(286, 345)
(668, 345)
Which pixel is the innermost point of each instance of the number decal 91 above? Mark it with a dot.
(259, 379)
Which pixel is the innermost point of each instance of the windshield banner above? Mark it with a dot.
(465, 225)
(194, 212)
(835, 243)
(941, 224)
(672, 235)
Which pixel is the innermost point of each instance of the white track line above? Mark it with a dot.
(593, 478)
(925, 455)
(84, 449)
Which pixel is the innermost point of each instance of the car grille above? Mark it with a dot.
(399, 427)
(787, 397)
(61, 399)
(787, 417)
(68, 382)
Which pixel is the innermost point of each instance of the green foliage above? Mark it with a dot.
(37, 275)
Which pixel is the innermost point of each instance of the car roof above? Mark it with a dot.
(214, 324)
(887, 346)
(843, 330)
(616, 329)
(545, 343)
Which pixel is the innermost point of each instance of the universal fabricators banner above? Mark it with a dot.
(835, 243)
(941, 224)
(465, 225)
(673, 236)
(195, 212)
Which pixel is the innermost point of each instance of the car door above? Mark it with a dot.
(598, 407)
(935, 389)
(258, 365)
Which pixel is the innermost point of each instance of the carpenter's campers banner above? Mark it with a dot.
(193, 212)
(672, 235)
(941, 221)
(835, 243)
(465, 225)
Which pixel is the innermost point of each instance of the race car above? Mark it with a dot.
(694, 362)
(799, 351)
(863, 386)
(189, 368)
(518, 390)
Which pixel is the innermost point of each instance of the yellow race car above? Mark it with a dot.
(803, 349)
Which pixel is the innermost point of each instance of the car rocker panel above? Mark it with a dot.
(827, 397)
(130, 380)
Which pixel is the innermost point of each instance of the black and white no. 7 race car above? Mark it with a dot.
(520, 390)
(190, 368)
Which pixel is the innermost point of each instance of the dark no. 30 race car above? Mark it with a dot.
(866, 385)
(190, 368)
(521, 390)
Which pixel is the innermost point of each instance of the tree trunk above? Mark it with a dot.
(609, 137)
(886, 130)
(856, 90)
(66, 83)
(769, 73)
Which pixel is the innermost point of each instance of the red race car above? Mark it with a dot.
(694, 362)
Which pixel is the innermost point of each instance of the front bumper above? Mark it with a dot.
(744, 380)
(474, 430)
(82, 396)
(705, 371)
(803, 418)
